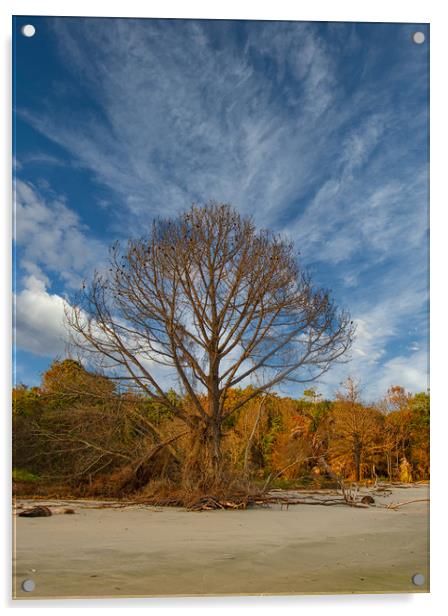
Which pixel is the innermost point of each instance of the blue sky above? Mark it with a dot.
(317, 130)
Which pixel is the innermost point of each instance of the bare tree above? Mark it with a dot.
(216, 301)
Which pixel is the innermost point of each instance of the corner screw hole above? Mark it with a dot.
(28, 30)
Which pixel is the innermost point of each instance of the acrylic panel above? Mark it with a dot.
(220, 307)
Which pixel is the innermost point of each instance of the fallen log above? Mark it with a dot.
(36, 512)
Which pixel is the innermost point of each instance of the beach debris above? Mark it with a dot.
(286, 502)
(398, 505)
(43, 511)
(350, 496)
(62, 510)
(283, 498)
(36, 512)
(210, 503)
(382, 491)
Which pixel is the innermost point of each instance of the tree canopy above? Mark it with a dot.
(219, 303)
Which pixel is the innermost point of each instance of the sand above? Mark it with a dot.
(168, 551)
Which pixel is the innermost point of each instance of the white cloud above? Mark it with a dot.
(410, 371)
(52, 239)
(41, 329)
(39, 318)
(378, 327)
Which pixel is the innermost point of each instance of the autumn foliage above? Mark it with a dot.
(80, 433)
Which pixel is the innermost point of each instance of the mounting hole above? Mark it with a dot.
(418, 579)
(28, 30)
(28, 585)
(418, 37)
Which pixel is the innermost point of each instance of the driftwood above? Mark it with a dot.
(382, 490)
(210, 503)
(243, 501)
(36, 512)
(42, 511)
(398, 505)
(235, 502)
(286, 502)
(347, 495)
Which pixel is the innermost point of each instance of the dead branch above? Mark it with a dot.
(215, 300)
(398, 505)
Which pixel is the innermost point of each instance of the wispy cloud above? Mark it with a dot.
(181, 120)
(317, 130)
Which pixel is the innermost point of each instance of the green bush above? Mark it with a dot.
(21, 474)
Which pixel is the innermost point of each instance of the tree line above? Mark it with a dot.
(79, 431)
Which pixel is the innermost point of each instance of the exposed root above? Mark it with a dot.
(210, 503)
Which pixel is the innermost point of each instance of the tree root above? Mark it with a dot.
(210, 503)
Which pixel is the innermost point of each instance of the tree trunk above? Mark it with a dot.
(251, 437)
(203, 468)
(213, 433)
(216, 450)
(357, 459)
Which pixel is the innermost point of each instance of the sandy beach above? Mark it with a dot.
(150, 551)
